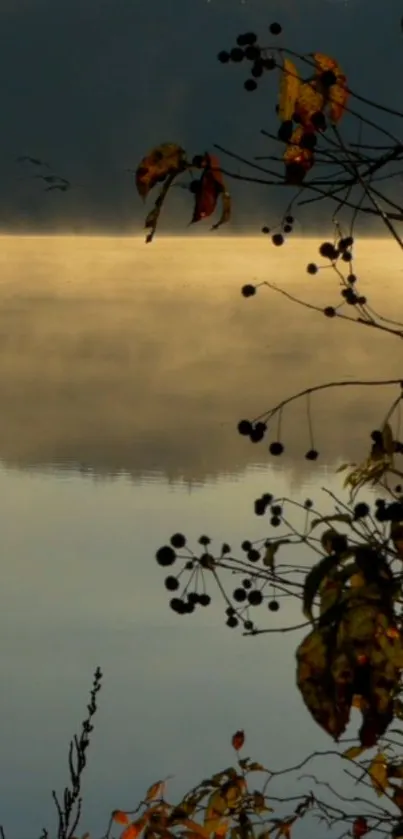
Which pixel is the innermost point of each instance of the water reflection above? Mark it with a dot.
(115, 357)
(132, 365)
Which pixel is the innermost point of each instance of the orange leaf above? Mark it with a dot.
(120, 817)
(238, 740)
(134, 829)
(162, 161)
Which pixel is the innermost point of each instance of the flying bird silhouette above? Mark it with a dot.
(52, 179)
(34, 160)
(62, 187)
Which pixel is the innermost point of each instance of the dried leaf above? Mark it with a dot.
(353, 752)
(314, 579)
(120, 817)
(238, 740)
(225, 216)
(289, 88)
(387, 440)
(298, 159)
(153, 216)
(164, 160)
(155, 791)
(378, 772)
(337, 99)
(133, 830)
(344, 517)
(360, 827)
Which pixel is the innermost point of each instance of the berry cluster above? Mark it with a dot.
(248, 49)
(256, 432)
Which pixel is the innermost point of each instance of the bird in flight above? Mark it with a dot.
(62, 187)
(53, 179)
(34, 160)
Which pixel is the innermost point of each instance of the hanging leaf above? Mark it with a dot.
(309, 102)
(378, 772)
(298, 159)
(271, 550)
(285, 828)
(153, 216)
(289, 87)
(164, 160)
(337, 99)
(316, 683)
(353, 752)
(225, 212)
(314, 579)
(238, 740)
(360, 827)
(259, 803)
(206, 196)
(344, 517)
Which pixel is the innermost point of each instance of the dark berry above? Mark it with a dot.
(352, 279)
(275, 521)
(252, 53)
(376, 436)
(244, 427)
(318, 121)
(289, 219)
(265, 229)
(232, 622)
(178, 540)
(269, 63)
(248, 290)
(312, 454)
(204, 599)
(247, 583)
(276, 510)
(204, 540)
(308, 141)
(255, 597)
(223, 56)
(206, 561)
(165, 556)
(246, 545)
(276, 448)
(236, 54)
(189, 607)
(197, 161)
(267, 498)
(398, 488)
(246, 39)
(287, 228)
(294, 173)
(362, 300)
(277, 239)
(259, 507)
(328, 78)
(171, 583)
(361, 510)
(194, 186)
(258, 432)
(328, 250)
(275, 29)
(273, 605)
(193, 597)
(285, 131)
(189, 565)
(230, 611)
(257, 69)
(346, 242)
(178, 606)
(250, 85)
(253, 555)
(346, 256)
(239, 595)
(226, 549)
(330, 312)
(248, 626)
(308, 504)
(312, 268)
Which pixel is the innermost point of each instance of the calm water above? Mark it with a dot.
(123, 372)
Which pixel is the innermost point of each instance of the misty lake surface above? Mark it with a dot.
(124, 370)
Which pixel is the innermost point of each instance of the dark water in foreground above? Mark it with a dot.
(123, 372)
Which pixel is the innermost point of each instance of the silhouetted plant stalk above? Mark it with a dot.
(69, 810)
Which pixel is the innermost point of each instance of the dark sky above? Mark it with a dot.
(90, 85)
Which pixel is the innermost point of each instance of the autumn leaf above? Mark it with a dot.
(285, 829)
(289, 87)
(164, 160)
(153, 216)
(225, 212)
(353, 752)
(134, 829)
(360, 827)
(313, 581)
(378, 772)
(309, 101)
(120, 817)
(206, 196)
(238, 740)
(155, 791)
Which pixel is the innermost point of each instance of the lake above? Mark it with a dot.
(124, 370)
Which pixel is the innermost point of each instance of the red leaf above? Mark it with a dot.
(360, 827)
(238, 740)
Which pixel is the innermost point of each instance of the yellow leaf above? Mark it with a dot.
(162, 161)
(378, 772)
(353, 752)
(357, 580)
(289, 87)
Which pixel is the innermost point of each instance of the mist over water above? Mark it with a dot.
(124, 370)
